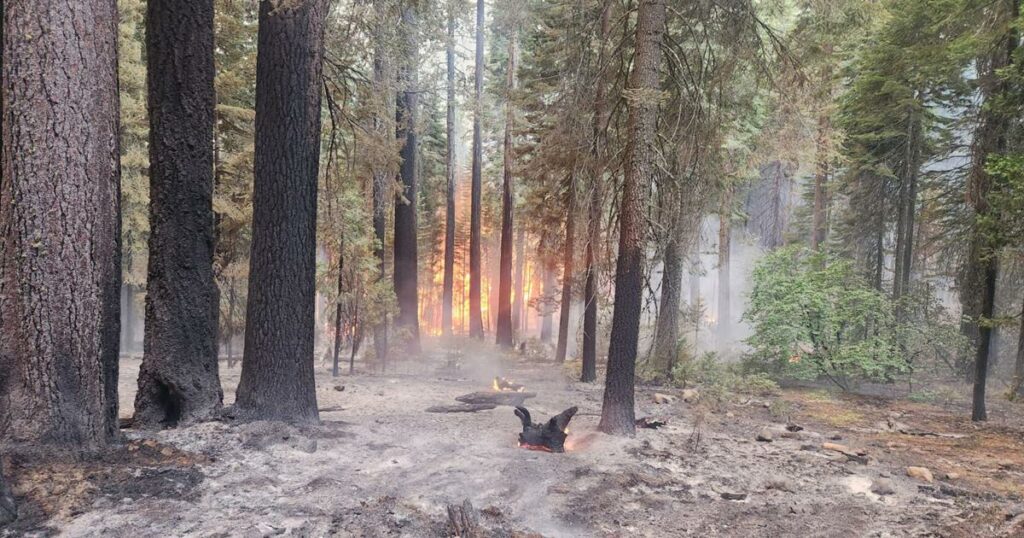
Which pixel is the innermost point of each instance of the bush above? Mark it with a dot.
(813, 319)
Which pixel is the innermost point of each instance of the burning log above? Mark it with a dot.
(460, 408)
(501, 384)
(496, 398)
(549, 437)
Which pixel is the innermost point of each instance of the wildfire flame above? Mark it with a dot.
(500, 384)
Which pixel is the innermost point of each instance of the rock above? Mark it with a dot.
(920, 473)
(660, 398)
(732, 496)
(835, 447)
(730, 414)
(781, 483)
(339, 388)
(691, 395)
(882, 486)
(952, 476)
(765, 435)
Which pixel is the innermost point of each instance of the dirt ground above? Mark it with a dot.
(379, 465)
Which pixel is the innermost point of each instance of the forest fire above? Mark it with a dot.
(548, 437)
(500, 384)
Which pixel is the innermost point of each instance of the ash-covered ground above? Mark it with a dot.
(379, 465)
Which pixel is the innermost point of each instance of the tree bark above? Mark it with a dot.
(819, 225)
(517, 305)
(567, 271)
(8, 510)
(338, 311)
(1018, 368)
(449, 229)
(178, 379)
(503, 326)
(476, 322)
(60, 263)
(724, 251)
(406, 251)
(617, 412)
(978, 412)
(589, 367)
(277, 368)
(380, 191)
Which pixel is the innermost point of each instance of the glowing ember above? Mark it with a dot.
(500, 384)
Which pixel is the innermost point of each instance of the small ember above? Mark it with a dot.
(548, 437)
(501, 384)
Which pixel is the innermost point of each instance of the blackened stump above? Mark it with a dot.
(549, 436)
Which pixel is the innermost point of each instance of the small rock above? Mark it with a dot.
(920, 473)
(765, 435)
(339, 388)
(882, 486)
(952, 476)
(660, 398)
(730, 414)
(691, 395)
(835, 447)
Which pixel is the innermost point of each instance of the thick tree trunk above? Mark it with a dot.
(617, 413)
(380, 191)
(449, 228)
(277, 369)
(476, 322)
(978, 412)
(178, 379)
(567, 271)
(589, 369)
(503, 326)
(517, 305)
(724, 280)
(60, 266)
(904, 254)
(666, 336)
(1018, 369)
(406, 251)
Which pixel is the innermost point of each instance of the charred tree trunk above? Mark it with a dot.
(1018, 367)
(567, 271)
(503, 325)
(517, 305)
(449, 228)
(178, 379)
(8, 510)
(476, 322)
(60, 266)
(724, 279)
(406, 251)
(589, 367)
(547, 294)
(277, 368)
(978, 412)
(617, 413)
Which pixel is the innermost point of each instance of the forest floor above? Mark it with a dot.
(379, 465)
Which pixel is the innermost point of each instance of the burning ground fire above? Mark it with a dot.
(500, 384)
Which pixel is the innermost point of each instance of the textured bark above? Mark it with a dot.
(517, 305)
(476, 322)
(60, 266)
(904, 254)
(567, 271)
(406, 251)
(988, 300)
(8, 510)
(449, 228)
(617, 412)
(503, 326)
(277, 368)
(819, 220)
(1018, 367)
(666, 336)
(724, 279)
(338, 327)
(589, 367)
(178, 379)
(379, 202)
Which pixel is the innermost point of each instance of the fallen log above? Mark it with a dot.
(512, 399)
(463, 521)
(460, 408)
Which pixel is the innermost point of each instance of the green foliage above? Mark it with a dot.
(815, 319)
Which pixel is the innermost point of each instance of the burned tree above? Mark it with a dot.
(504, 322)
(406, 251)
(449, 228)
(60, 269)
(476, 321)
(567, 269)
(178, 380)
(617, 413)
(277, 368)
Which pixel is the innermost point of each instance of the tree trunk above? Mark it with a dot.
(476, 322)
(277, 368)
(449, 228)
(666, 336)
(8, 510)
(503, 326)
(907, 210)
(589, 369)
(517, 305)
(1018, 369)
(179, 379)
(617, 413)
(724, 250)
(819, 225)
(978, 412)
(547, 294)
(380, 191)
(338, 310)
(405, 271)
(567, 271)
(60, 268)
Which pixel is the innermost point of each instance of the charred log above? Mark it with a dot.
(496, 398)
(549, 436)
(461, 408)
(464, 521)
